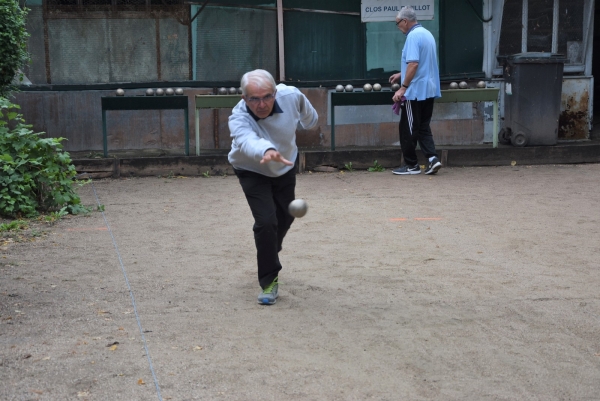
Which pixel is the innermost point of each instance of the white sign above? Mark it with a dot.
(386, 10)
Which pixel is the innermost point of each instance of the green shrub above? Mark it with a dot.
(35, 173)
(376, 167)
(13, 43)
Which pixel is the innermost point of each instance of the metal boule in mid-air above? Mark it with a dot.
(298, 208)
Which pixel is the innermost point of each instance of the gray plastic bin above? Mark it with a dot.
(533, 86)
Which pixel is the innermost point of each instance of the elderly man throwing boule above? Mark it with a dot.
(263, 155)
(419, 81)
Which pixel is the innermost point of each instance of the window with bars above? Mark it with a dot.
(554, 26)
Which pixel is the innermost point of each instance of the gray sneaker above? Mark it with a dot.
(407, 170)
(434, 166)
(269, 294)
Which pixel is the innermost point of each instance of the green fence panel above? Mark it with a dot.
(322, 46)
(461, 38)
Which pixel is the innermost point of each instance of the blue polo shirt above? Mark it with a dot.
(420, 47)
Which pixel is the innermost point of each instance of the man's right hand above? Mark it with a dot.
(272, 155)
(395, 78)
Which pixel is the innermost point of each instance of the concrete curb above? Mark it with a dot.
(361, 159)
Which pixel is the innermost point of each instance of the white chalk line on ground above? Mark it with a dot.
(137, 317)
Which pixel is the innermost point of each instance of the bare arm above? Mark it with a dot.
(411, 70)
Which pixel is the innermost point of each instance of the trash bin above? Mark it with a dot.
(533, 86)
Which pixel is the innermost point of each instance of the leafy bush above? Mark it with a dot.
(35, 173)
(13, 42)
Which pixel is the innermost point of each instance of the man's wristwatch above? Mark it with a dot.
(404, 86)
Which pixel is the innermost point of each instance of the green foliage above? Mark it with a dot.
(14, 225)
(207, 174)
(35, 173)
(13, 43)
(349, 167)
(55, 216)
(376, 167)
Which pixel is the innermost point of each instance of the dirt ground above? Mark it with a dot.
(475, 284)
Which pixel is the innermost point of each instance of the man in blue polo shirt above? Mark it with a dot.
(419, 85)
(263, 155)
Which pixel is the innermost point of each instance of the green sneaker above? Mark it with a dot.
(269, 295)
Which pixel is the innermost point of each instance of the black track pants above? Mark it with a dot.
(414, 127)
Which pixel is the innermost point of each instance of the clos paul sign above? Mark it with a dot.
(386, 10)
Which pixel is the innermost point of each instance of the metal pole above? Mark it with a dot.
(158, 62)
(104, 139)
(197, 131)
(524, 18)
(187, 132)
(332, 128)
(555, 17)
(495, 130)
(280, 40)
(216, 127)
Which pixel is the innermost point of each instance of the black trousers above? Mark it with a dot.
(414, 127)
(269, 198)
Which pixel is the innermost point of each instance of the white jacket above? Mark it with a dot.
(252, 138)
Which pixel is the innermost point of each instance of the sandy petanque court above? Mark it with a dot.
(475, 284)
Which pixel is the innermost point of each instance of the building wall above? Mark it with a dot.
(85, 51)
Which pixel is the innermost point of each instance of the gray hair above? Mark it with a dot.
(263, 79)
(407, 13)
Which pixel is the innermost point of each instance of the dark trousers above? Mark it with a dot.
(414, 127)
(269, 198)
